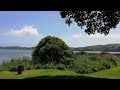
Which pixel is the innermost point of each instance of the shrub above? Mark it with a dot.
(48, 66)
(37, 67)
(104, 53)
(52, 50)
(60, 67)
(82, 52)
(93, 58)
(29, 67)
(13, 69)
(1, 69)
(93, 63)
(12, 64)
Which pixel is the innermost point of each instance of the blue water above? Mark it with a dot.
(6, 54)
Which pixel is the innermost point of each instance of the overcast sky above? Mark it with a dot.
(27, 28)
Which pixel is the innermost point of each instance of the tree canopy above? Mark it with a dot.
(94, 21)
(52, 50)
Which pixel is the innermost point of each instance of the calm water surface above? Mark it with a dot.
(6, 54)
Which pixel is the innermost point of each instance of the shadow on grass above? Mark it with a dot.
(63, 77)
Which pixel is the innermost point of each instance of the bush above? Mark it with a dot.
(104, 52)
(93, 58)
(1, 69)
(82, 52)
(45, 66)
(37, 67)
(60, 67)
(12, 65)
(52, 50)
(48, 66)
(13, 69)
(93, 63)
(29, 67)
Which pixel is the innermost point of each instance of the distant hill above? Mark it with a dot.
(17, 47)
(108, 47)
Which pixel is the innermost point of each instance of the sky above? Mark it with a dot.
(27, 28)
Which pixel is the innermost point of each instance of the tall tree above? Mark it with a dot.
(52, 50)
(94, 21)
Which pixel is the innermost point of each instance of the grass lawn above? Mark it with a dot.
(35, 73)
(42, 74)
(113, 73)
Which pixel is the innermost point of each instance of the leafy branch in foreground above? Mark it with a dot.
(94, 21)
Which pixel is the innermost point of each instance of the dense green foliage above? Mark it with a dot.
(52, 50)
(81, 53)
(93, 63)
(94, 21)
(87, 63)
(104, 52)
(12, 65)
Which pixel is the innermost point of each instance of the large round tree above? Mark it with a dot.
(52, 50)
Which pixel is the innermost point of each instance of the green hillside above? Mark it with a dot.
(108, 47)
(17, 47)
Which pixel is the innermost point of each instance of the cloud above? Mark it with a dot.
(24, 32)
(96, 36)
(83, 39)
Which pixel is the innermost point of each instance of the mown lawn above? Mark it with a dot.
(43, 74)
(113, 73)
(36, 73)
(58, 74)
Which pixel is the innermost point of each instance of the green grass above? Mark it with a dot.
(57, 74)
(113, 73)
(35, 73)
(43, 74)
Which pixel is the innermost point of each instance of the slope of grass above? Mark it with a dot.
(109, 47)
(35, 73)
(113, 73)
(43, 74)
